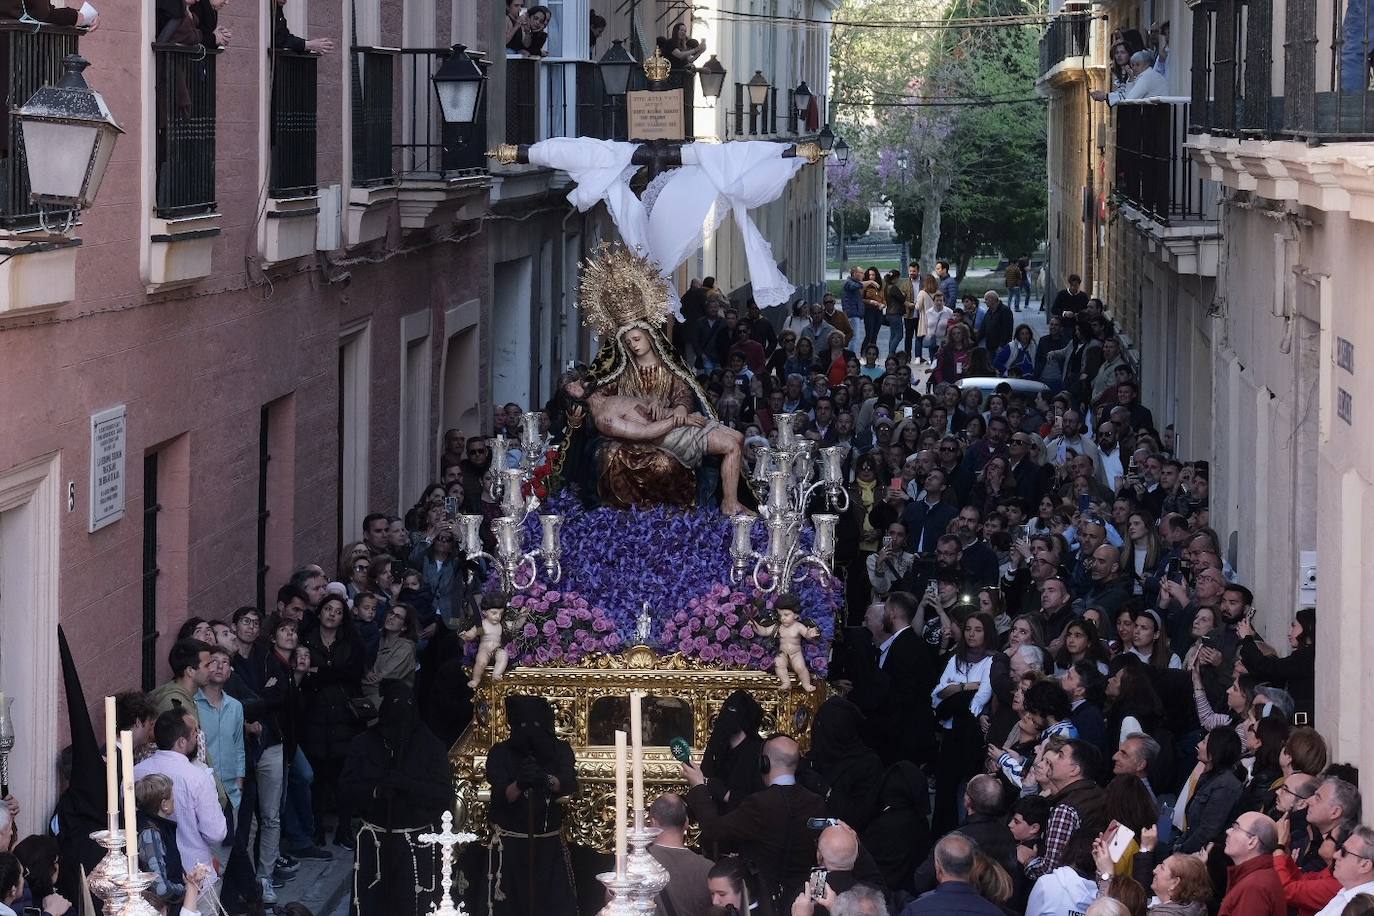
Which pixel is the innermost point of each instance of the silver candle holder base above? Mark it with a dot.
(640, 865)
(134, 902)
(622, 899)
(106, 879)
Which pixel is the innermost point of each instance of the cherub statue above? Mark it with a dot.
(790, 632)
(495, 631)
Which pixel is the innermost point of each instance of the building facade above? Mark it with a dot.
(1223, 224)
(295, 277)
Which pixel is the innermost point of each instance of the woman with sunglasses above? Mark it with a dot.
(396, 655)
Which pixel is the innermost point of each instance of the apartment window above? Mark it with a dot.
(185, 133)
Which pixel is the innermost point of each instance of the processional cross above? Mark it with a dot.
(447, 839)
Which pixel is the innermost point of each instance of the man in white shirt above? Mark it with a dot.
(1148, 83)
(200, 820)
(1354, 868)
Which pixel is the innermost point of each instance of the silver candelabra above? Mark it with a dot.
(786, 475)
(534, 443)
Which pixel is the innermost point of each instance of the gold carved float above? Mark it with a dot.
(591, 701)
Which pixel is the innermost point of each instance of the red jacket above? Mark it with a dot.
(1253, 889)
(1306, 891)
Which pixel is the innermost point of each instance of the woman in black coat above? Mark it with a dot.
(899, 834)
(337, 661)
(1295, 672)
(840, 768)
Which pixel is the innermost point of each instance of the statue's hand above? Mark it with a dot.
(696, 419)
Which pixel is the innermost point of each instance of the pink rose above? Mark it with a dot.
(722, 633)
(564, 620)
(530, 631)
(746, 632)
(680, 617)
(550, 628)
(756, 651)
(731, 620)
(518, 601)
(553, 596)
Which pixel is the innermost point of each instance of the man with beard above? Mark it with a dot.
(397, 774)
(528, 864)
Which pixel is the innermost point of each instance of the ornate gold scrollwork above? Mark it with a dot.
(505, 153)
(573, 691)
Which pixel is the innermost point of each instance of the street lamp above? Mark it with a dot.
(616, 65)
(458, 83)
(712, 75)
(758, 89)
(801, 99)
(826, 138)
(69, 136)
(841, 151)
(902, 164)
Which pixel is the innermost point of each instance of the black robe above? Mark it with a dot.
(531, 872)
(398, 779)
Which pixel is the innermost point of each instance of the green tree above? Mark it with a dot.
(974, 174)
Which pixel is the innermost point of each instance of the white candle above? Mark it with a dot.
(637, 750)
(126, 743)
(620, 803)
(111, 766)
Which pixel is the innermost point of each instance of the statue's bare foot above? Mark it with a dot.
(809, 688)
(473, 684)
(736, 508)
(497, 677)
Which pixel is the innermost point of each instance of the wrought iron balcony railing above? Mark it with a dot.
(294, 124)
(1324, 91)
(373, 103)
(1154, 173)
(185, 133)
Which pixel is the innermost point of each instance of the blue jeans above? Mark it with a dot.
(1357, 38)
(298, 819)
(1014, 296)
(896, 327)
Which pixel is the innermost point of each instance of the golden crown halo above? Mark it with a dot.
(620, 287)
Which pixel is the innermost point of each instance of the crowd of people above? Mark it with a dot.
(1049, 694)
(1052, 696)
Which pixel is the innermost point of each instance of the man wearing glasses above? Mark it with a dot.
(1336, 803)
(1253, 887)
(1354, 868)
(1293, 794)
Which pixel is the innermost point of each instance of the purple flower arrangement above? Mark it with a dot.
(676, 561)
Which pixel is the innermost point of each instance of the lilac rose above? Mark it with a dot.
(530, 631)
(722, 633)
(746, 632)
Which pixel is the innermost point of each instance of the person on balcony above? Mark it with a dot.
(284, 40)
(190, 23)
(84, 17)
(680, 48)
(1147, 84)
(526, 30)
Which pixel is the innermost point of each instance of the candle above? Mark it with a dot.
(126, 744)
(111, 766)
(637, 751)
(620, 804)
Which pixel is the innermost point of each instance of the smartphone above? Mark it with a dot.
(896, 485)
(1120, 840)
(451, 506)
(887, 541)
(815, 885)
(820, 823)
(1084, 501)
(906, 412)
(933, 589)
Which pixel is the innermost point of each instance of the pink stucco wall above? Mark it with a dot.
(195, 366)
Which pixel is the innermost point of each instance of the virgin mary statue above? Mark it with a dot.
(625, 298)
